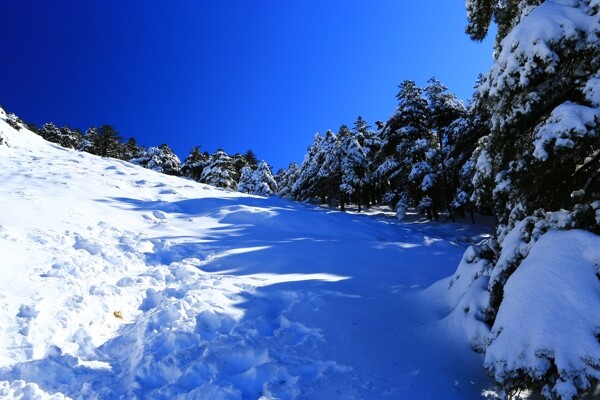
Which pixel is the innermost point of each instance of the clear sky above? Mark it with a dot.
(239, 74)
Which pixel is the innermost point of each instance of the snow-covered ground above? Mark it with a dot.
(119, 282)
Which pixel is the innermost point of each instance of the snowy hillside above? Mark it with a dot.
(119, 282)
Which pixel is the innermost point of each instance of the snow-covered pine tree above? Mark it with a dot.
(286, 180)
(220, 171)
(130, 149)
(194, 163)
(306, 186)
(108, 142)
(543, 96)
(159, 159)
(240, 161)
(246, 182)
(371, 144)
(170, 163)
(444, 109)
(65, 137)
(407, 147)
(471, 193)
(89, 141)
(330, 171)
(354, 163)
(263, 182)
(251, 159)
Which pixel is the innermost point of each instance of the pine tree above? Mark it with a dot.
(194, 163)
(239, 162)
(354, 163)
(170, 163)
(541, 157)
(371, 144)
(403, 162)
(306, 186)
(251, 159)
(89, 141)
(220, 171)
(64, 136)
(159, 159)
(444, 109)
(263, 181)
(108, 142)
(330, 172)
(246, 182)
(286, 180)
(130, 149)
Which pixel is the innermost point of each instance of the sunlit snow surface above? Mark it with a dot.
(118, 282)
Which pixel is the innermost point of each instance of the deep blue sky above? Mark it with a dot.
(262, 75)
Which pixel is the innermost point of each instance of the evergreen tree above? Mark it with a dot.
(65, 136)
(251, 159)
(159, 159)
(108, 142)
(194, 163)
(354, 163)
(89, 141)
(170, 163)
(444, 109)
(329, 177)
(263, 181)
(286, 180)
(403, 163)
(130, 149)
(220, 171)
(540, 159)
(51, 133)
(239, 162)
(371, 144)
(306, 186)
(246, 182)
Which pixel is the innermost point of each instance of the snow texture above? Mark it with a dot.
(554, 296)
(530, 50)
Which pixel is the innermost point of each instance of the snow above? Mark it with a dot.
(567, 121)
(559, 313)
(532, 49)
(120, 282)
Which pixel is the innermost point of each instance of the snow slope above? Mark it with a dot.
(119, 282)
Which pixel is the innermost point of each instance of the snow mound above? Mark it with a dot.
(548, 322)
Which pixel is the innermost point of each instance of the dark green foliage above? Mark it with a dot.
(65, 136)
(251, 160)
(194, 163)
(108, 142)
(505, 13)
(130, 149)
(14, 121)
